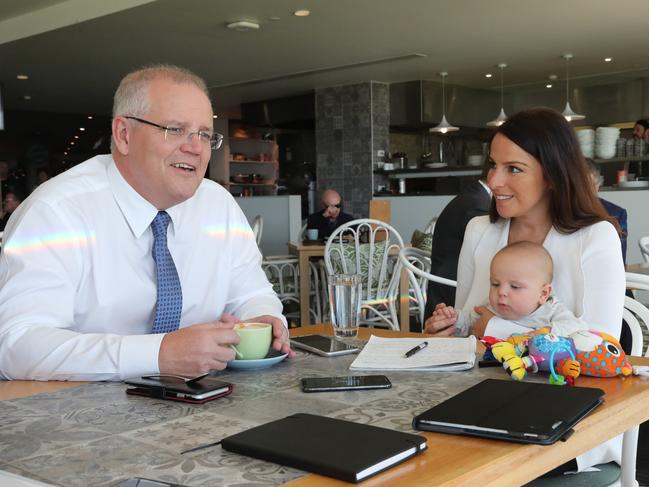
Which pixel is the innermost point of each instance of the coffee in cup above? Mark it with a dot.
(255, 340)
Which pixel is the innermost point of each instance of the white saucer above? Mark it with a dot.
(271, 359)
(435, 165)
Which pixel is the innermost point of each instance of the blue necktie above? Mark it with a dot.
(170, 296)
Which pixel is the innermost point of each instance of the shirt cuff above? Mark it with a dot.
(138, 355)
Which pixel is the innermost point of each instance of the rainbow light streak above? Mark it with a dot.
(52, 241)
(220, 231)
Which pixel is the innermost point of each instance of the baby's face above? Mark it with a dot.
(517, 287)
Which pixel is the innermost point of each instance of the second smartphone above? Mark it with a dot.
(345, 383)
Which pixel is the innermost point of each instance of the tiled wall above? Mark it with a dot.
(351, 126)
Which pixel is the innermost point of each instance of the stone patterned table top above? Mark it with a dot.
(96, 435)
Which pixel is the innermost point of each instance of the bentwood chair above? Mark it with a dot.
(258, 228)
(636, 314)
(282, 272)
(369, 247)
(644, 248)
(417, 264)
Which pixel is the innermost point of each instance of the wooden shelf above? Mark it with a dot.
(252, 140)
(231, 183)
(622, 159)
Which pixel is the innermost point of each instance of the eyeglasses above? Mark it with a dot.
(335, 206)
(178, 134)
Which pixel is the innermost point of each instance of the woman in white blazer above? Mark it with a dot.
(542, 193)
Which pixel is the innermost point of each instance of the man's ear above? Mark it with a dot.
(546, 291)
(121, 135)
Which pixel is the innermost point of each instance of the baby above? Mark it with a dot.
(520, 293)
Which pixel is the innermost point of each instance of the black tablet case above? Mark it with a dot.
(326, 446)
(526, 412)
(169, 388)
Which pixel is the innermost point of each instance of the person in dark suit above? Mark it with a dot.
(12, 199)
(473, 200)
(330, 217)
(612, 209)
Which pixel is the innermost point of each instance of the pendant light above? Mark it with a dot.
(500, 119)
(443, 126)
(567, 112)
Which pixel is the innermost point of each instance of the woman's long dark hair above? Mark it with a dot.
(548, 137)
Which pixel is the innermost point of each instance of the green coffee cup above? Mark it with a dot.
(255, 340)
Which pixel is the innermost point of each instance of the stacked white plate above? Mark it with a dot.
(605, 139)
(586, 138)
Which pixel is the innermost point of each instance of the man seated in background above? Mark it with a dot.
(614, 210)
(11, 201)
(640, 128)
(473, 200)
(330, 217)
(133, 263)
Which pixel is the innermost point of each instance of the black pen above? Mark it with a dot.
(413, 351)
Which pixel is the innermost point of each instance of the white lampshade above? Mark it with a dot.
(570, 115)
(568, 112)
(444, 127)
(500, 119)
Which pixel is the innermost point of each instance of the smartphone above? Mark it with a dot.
(140, 482)
(179, 389)
(345, 383)
(322, 345)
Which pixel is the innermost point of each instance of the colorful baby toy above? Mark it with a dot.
(585, 352)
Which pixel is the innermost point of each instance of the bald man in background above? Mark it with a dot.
(330, 217)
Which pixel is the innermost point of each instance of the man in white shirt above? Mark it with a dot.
(78, 280)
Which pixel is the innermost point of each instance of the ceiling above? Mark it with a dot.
(76, 51)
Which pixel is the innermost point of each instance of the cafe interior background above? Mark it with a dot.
(313, 94)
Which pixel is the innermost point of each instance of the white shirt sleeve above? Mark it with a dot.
(250, 293)
(465, 266)
(604, 279)
(39, 277)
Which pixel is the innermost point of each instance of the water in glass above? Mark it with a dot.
(345, 303)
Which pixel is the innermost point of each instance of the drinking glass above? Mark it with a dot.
(345, 294)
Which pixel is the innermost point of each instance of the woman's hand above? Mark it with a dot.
(442, 322)
(480, 325)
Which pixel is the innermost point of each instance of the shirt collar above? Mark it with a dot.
(137, 211)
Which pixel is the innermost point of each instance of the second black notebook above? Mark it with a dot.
(327, 446)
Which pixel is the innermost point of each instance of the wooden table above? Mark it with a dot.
(304, 251)
(456, 460)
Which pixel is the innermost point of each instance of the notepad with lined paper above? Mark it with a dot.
(442, 354)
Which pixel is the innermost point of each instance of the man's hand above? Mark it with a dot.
(281, 341)
(442, 322)
(330, 212)
(481, 323)
(197, 349)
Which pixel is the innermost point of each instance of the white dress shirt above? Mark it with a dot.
(78, 280)
(588, 277)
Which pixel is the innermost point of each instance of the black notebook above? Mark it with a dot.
(525, 412)
(327, 446)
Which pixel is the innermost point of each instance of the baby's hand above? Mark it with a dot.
(445, 312)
